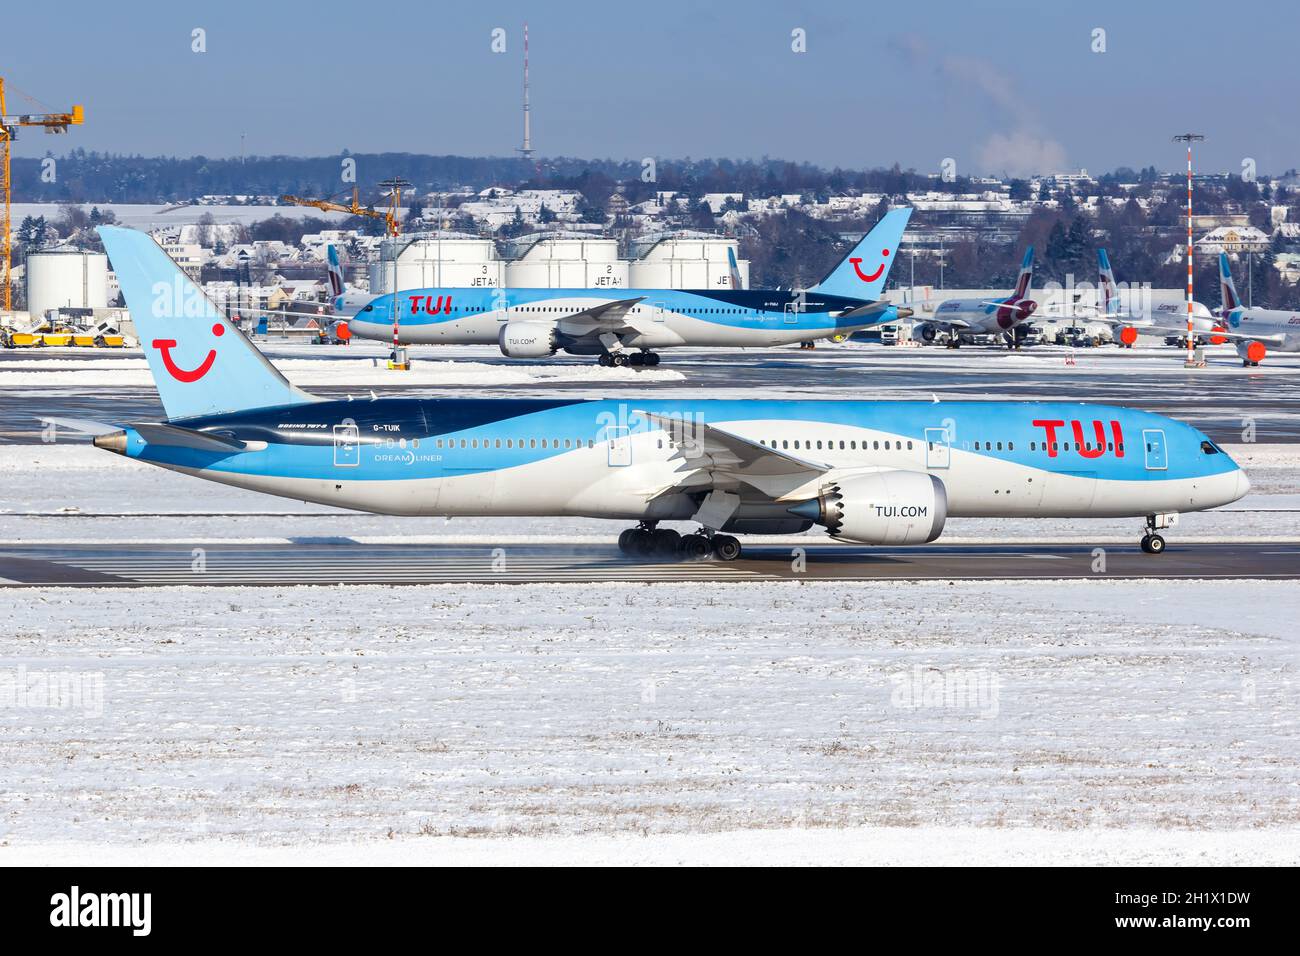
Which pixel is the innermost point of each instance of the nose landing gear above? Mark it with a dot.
(1152, 542)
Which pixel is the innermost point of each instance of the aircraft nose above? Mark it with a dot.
(1243, 485)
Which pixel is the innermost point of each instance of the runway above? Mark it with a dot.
(341, 561)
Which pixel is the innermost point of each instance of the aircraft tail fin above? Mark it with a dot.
(1227, 288)
(1110, 304)
(1026, 274)
(335, 268)
(863, 272)
(201, 363)
(735, 268)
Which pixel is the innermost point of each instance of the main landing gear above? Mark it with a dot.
(647, 540)
(634, 359)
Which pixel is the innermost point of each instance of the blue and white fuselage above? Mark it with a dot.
(536, 322)
(627, 325)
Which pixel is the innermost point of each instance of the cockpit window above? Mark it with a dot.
(1209, 448)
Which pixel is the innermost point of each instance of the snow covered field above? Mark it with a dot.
(808, 722)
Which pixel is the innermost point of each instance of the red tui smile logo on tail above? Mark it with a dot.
(857, 267)
(165, 346)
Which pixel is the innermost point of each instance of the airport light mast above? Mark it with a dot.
(398, 361)
(1189, 138)
(526, 151)
(52, 123)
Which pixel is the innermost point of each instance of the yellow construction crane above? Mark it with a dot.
(53, 123)
(356, 209)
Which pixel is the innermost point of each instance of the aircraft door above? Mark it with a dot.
(938, 449)
(1157, 455)
(347, 444)
(658, 312)
(620, 446)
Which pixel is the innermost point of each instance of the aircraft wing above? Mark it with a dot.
(606, 317)
(723, 454)
(949, 323)
(1181, 329)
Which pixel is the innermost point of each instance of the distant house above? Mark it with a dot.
(1233, 240)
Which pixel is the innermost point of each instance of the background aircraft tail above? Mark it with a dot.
(1110, 305)
(1026, 274)
(201, 363)
(862, 273)
(1227, 289)
(734, 266)
(335, 269)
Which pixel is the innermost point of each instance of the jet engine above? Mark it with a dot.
(527, 339)
(1252, 353)
(887, 507)
(927, 333)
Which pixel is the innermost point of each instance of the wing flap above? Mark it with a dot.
(725, 455)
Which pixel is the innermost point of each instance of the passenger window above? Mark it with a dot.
(909, 446)
(498, 444)
(532, 443)
(875, 446)
(785, 443)
(999, 446)
(510, 443)
(1011, 446)
(463, 443)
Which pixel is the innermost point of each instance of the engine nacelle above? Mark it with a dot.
(1250, 351)
(887, 507)
(927, 333)
(527, 339)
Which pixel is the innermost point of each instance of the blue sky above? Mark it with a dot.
(999, 87)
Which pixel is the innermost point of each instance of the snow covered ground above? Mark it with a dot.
(806, 722)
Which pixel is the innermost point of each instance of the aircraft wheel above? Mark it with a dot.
(665, 542)
(606, 359)
(694, 547)
(652, 358)
(1153, 544)
(625, 540)
(618, 359)
(726, 547)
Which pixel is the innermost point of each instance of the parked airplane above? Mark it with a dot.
(1252, 330)
(958, 319)
(875, 472)
(1129, 311)
(625, 327)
